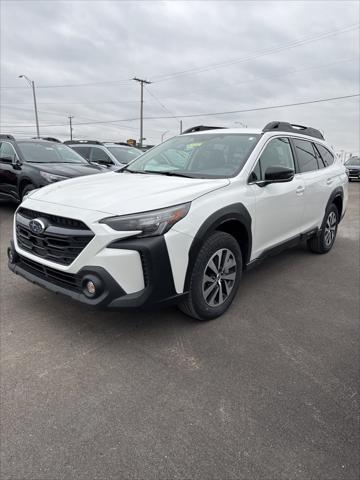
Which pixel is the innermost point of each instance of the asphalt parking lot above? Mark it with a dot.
(270, 391)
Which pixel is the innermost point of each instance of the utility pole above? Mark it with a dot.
(141, 81)
(181, 126)
(71, 128)
(32, 85)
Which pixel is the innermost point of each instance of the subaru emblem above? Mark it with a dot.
(37, 226)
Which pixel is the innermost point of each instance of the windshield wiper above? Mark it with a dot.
(169, 173)
(125, 169)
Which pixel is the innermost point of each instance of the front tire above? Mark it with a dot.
(324, 242)
(215, 278)
(26, 190)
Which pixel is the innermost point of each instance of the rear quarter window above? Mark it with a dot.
(327, 157)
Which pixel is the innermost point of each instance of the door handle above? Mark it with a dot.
(300, 190)
(329, 181)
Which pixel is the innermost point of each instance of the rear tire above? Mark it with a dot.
(215, 278)
(324, 242)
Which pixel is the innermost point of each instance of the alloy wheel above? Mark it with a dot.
(330, 229)
(219, 277)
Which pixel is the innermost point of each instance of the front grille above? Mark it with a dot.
(53, 219)
(61, 242)
(62, 279)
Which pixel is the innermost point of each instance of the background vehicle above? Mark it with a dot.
(353, 168)
(182, 222)
(106, 154)
(29, 164)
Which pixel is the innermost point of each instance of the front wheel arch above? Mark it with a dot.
(233, 219)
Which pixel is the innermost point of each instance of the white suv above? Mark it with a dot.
(181, 222)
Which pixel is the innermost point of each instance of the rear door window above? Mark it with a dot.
(306, 155)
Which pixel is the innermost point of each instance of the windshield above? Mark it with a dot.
(216, 155)
(41, 152)
(124, 154)
(353, 161)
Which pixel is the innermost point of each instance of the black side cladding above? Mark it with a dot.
(159, 282)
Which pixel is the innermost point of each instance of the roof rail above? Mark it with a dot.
(5, 136)
(48, 139)
(293, 128)
(82, 142)
(200, 128)
(121, 143)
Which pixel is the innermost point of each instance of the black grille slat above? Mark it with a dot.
(54, 219)
(62, 279)
(61, 242)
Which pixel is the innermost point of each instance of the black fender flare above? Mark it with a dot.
(235, 211)
(337, 192)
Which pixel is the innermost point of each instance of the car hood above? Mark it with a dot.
(122, 193)
(67, 169)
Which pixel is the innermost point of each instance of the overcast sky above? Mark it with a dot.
(234, 56)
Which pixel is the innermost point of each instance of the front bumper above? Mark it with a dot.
(354, 173)
(158, 279)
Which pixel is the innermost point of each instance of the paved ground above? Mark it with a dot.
(267, 392)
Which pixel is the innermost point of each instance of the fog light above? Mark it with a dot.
(92, 286)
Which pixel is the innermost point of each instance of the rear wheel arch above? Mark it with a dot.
(336, 198)
(233, 219)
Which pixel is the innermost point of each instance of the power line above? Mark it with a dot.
(159, 102)
(163, 77)
(88, 84)
(321, 100)
(259, 54)
(73, 103)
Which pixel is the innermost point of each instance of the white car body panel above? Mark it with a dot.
(125, 193)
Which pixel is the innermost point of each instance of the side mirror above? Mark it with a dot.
(278, 174)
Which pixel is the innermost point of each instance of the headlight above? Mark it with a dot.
(149, 224)
(50, 177)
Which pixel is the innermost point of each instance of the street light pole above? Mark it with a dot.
(71, 128)
(32, 85)
(141, 81)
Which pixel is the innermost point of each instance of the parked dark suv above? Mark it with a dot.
(353, 168)
(33, 163)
